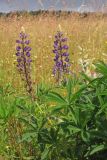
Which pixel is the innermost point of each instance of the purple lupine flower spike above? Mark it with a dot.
(24, 61)
(61, 67)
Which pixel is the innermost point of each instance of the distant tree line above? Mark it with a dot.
(35, 13)
(45, 13)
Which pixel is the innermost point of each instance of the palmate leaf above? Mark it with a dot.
(81, 118)
(55, 97)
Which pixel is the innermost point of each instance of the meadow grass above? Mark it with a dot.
(86, 37)
(61, 123)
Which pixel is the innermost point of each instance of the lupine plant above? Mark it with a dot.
(24, 60)
(67, 123)
(61, 59)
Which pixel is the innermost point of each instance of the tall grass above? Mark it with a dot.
(65, 122)
(87, 37)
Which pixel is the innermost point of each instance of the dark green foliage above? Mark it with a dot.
(65, 123)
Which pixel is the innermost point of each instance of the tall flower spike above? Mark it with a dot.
(62, 65)
(24, 61)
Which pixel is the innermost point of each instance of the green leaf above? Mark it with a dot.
(86, 77)
(85, 136)
(57, 109)
(69, 86)
(75, 116)
(27, 137)
(45, 153)
(74, 129)
(101, 67)
(1, 90)
(77, 94)
(28, 158)
(103, 107)
(104, 93)
(53, 96)
(97, 149)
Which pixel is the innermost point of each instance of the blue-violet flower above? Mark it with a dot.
(24, 60)
(62, 64)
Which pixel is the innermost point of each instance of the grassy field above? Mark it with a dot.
(53, 121)
(86, 37)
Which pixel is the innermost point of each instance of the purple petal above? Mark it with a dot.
(29, 61)
(66, 59)
(19, 60)
(18, 48)
(65, 54)
(56, 57)
(18, 54)
(59, 64)
(55, 51)
(28, 54)
(18, 41)
(55, 46)
(60, 34)
(60, 48)
(54, 70)
(56, 36)
(23, 35)
(27, 42)
(56, 42)
(65, 47)
(27, 49)
(64, 39)
(22, 42)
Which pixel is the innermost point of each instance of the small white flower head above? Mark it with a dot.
(22, 29)
(50, 36)
(86, 56)
(80, 61)
(104, 54)
(80, 48)
(59, 27)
